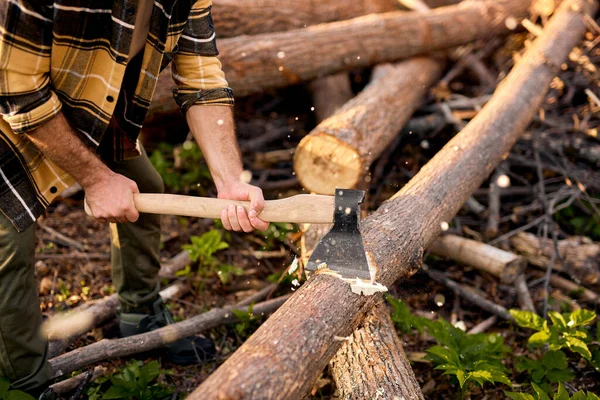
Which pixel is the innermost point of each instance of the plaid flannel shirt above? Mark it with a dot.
(71, 55)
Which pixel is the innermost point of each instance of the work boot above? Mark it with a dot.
(186, 351)
(49, 394)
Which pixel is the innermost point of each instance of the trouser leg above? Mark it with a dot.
(23, 349)
(135, 246)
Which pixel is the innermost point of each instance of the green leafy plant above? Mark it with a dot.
(248, 322)
(182, 168)
(202, 250)
(552, 367)
(404, 320)
(561, 394)
(136, 381)
(568, 330)
(471, 359)
(7, 394)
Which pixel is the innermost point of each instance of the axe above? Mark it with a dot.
(341, 250)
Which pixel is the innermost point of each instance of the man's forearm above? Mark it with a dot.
(58, 141)
(214, 131)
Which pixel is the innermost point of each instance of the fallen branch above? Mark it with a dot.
(502, 264)
(62, 329)
(59, 238)
(579, 253)
(107, 349)
(571, 287)
(469, 294)
(298, 340)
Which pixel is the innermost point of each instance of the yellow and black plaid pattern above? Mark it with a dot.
(73, 56)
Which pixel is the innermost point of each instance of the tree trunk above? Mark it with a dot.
(251, 17)
(371, 363)
(339, 151)
(298, 340)
(253, 64)
(330, 93)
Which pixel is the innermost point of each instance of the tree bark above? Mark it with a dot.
(330, 93)
(580, 254)
(371, 363)
(340, 150)
(253, 64)
(502, 264)
(251, 17)
(298, 340)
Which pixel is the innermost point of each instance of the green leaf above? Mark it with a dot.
(539, 338)
(581, 317)
(579, 346)
(541, 394)
(557, 319)
(562, 393)
(118, 392)
(18, 395)
(580, 395)
(592, 396)
(519, 396)
(555, 359)
(460, 375)
(528, 319)
(560, 375)
(150, 372)
(4, 385)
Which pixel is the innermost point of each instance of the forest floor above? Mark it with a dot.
(557, 158)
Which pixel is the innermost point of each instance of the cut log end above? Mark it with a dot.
(322, 162)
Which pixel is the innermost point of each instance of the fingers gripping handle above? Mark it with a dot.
(303, 208)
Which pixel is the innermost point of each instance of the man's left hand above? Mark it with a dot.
(235, 217)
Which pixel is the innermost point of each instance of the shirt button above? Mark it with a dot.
(130, 10)
(110, 99)
(120, 59)
(53, 189)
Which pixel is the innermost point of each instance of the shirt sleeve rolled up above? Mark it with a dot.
(27, 100)
(196, 69)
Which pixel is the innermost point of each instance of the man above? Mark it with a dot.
(76, 81)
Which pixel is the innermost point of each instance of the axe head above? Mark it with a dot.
(342, 250)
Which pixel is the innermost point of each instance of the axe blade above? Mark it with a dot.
(341, 249)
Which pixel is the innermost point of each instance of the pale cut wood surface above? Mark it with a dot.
(340, 150)
(298, 340)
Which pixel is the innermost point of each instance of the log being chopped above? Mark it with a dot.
(324, 307)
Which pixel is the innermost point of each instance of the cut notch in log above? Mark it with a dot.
(297, 341)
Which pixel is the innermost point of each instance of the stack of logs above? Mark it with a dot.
(408, 50)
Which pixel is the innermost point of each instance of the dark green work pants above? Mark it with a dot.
(135, 265)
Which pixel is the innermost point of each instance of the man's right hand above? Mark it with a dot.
(110, 198)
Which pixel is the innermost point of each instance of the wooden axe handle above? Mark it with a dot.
(302, 208)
